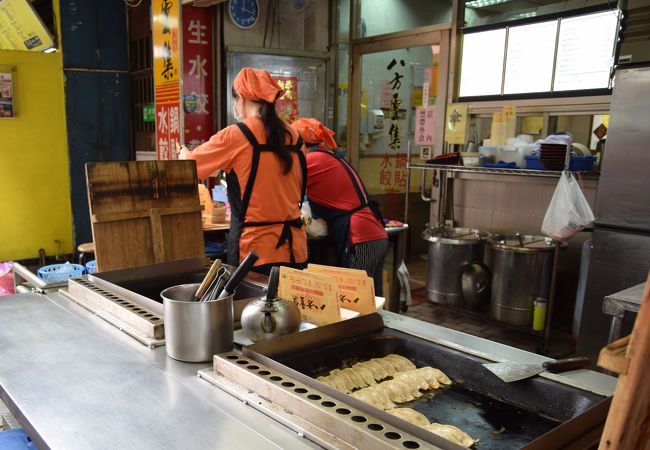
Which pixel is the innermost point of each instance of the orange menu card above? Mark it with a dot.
(316, 295)
(356, 288)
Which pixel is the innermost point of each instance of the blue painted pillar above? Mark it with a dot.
(95, 65)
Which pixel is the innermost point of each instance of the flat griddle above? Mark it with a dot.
(533, 413)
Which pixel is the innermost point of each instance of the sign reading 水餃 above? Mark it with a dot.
(315, 295)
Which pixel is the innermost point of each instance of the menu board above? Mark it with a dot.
(529, 60)
(482, 63)
(585, 51)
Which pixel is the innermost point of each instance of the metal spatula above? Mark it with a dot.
(510, 372)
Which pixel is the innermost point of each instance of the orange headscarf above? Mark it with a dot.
(256, 85)
(314, 132)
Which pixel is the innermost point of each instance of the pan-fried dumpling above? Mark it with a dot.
(411, 416)
(385, 364)
(451, 433)
(415, 378)
(399, 362)
(326, 380)
(378, 370)
(336, 382)
(374, 397)
(399, 391)
(352, 380)
(434, 374)
(441, 377)
(365, 374)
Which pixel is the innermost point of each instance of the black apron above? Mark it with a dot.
(338, 220)
(239, 203)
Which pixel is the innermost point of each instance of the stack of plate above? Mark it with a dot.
(553, 156)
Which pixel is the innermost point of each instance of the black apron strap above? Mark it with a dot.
(286, 236)
(252, 175)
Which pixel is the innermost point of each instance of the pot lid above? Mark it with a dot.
(523, 243)
(448, 235)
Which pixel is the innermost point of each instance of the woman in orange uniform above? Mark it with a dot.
(335, 191)
(266, 173)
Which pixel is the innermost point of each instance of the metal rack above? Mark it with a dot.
(496, 171)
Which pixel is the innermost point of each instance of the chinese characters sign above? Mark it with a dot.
(456, 123)
(395, 105)
(287, 105)
(197, 74)
(166, 66)
(315, 295)
(425, 125)
(356, 289)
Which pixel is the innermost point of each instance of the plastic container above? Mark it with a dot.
(91, 267)
(510, 155)
(16, 439)
(539, 313)
(56, 273)
(487, 154)
(533, 162)
(582, 163)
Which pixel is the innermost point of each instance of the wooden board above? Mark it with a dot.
(628, 421)
(144, 212)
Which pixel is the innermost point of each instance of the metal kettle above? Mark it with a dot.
(265, 319)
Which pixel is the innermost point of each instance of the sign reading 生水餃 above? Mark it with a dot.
(197, 74)
(167, 71)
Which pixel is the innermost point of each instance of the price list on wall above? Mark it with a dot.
(529, 60)
(585, 51)
(482, 63)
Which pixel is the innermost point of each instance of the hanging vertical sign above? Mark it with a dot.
(425, 125)
(198, 104)
(287, 105)
(166, 67)
(456, 123)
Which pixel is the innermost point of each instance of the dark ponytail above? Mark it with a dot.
(275, 134)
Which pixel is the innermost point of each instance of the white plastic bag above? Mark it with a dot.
(568, 211)
(315, 228)
(404, 285)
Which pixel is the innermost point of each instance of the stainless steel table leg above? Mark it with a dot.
(616, 327)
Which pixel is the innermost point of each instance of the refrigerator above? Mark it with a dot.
(620, 257)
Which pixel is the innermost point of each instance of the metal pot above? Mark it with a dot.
(265, 319)
(450, 250)
(195, 331)
(521, 272)
(262, 320)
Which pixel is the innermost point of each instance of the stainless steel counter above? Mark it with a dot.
(74, 381)
(618, 304)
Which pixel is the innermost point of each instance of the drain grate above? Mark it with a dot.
(353, 426)
(97, 298)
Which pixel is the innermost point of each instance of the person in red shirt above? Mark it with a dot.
(336, 194)
(264, 159)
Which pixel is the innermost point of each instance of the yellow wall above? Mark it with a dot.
(35, 183)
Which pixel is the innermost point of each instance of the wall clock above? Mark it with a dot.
(244, 13)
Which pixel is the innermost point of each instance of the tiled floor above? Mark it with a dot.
(477, 324)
